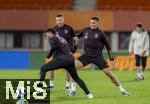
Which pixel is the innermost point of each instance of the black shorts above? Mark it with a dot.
(98, 61)
(62, 61)
(141, 60)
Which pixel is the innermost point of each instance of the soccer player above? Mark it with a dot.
(139, 46)
(66, 32)
(94, 42)
(62, 58)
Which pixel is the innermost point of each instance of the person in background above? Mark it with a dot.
(139, 46)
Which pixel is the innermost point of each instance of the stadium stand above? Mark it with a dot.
(36, 4)
(123, 5)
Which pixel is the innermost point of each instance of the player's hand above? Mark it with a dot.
(46, 60)
(143, 52)
(112, 63)
(76, 40)
(74, 49)
(131, 53)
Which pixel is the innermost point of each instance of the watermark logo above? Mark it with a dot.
(24, 90)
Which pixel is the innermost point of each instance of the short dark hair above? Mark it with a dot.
(51, 30)
(95, 18)
(140, 25)
(59, 15)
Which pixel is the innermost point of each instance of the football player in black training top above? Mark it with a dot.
(94, 42)
(62, 58)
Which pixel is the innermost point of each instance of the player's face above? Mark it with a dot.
(93, 24)
(60, 21)
(49, 35)
(138, 29)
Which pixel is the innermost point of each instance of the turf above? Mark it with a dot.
(99, 85)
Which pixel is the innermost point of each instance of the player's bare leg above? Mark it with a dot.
(143, 69)
(78, 65)
(68, 81)
(142, 72)
(115, 80)
(52, 76)
(144, 61)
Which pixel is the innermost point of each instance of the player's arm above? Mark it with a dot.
(107, 45)
(75, 41)
(52, 50)
(76, 37)
(80, 34)
(146, 44)
(75, 45)
(131, 42)
(72, 32)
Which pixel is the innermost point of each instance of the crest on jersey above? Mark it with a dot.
(56, 32)
(96, 35)
(86, 36)
(65, 31)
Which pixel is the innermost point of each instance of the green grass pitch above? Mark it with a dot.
(99, 85)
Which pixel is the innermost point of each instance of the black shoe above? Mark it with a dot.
(49, 88)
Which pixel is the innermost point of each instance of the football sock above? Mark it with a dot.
(51, 83)
(142, 73)
(67, 84)
(73, 86)
(120, 87)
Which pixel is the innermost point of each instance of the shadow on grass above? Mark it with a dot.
(132, 80)
(66, 99)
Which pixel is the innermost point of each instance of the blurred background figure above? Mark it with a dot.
(139, 46)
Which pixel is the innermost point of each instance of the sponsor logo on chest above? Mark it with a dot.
(65, 31)
(86, 36)
(96, 35)
(57, 33)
